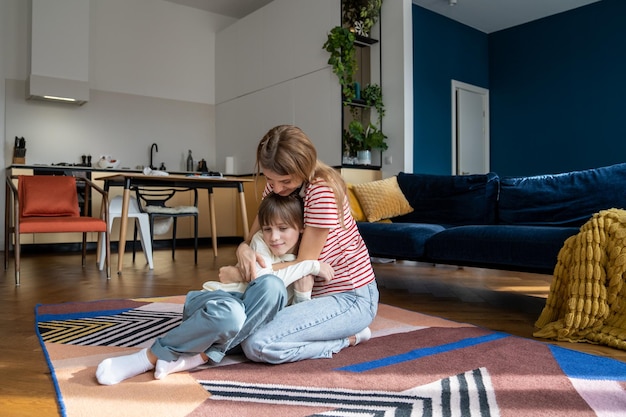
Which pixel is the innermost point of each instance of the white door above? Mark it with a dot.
(470, 129)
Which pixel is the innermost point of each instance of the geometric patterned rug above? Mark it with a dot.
(414, 365)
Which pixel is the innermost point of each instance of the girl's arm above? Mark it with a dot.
(247, 258)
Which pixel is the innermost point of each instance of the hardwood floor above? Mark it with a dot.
(499, 300)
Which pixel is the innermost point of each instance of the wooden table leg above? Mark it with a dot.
(213, 224)
(123, 227)
(244, 214)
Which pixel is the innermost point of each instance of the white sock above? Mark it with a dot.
(184, 363)
(299, 297)
(362, 336)
(114, 370)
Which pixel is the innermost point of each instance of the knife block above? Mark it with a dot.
(19, 155)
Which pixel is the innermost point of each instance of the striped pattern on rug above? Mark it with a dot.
(468, 394)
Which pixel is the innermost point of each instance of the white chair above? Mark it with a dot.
(115, 211)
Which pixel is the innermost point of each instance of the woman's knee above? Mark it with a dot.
(253, 348)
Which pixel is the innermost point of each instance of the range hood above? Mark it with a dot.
(59, 59)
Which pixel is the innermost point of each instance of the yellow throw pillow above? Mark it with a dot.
(382, 199)
(355, 206)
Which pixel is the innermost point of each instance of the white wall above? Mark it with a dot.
(151, 73)
(272, 70)
(397, 84)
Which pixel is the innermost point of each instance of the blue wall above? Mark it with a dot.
(443, 50)
(555, 87)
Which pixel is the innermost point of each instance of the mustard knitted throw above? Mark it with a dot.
(587, 299)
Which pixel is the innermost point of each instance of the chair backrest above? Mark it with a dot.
(48, 196)
(150, 196)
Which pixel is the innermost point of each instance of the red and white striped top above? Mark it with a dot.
(344, 250)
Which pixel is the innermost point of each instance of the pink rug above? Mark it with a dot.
(415, 365)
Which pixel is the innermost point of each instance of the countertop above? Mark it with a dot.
(98, 169)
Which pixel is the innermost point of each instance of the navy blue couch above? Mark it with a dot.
(513, 223)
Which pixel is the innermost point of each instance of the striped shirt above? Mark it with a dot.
(344, 249)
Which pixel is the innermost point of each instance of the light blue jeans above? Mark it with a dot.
(313, 329)
(217, 321)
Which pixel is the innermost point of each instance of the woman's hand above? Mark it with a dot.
(247, 260)
(327, 272)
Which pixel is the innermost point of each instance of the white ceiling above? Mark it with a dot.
(484, 15)
(493, 15)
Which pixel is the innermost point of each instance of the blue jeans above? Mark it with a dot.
(313, 329)
(217, 321)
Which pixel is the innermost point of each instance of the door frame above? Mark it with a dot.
(459, 85)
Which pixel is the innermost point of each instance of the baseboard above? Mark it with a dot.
(158, 244)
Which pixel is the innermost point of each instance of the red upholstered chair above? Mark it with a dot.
(49, 204)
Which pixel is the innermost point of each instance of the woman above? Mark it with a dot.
(341, 310)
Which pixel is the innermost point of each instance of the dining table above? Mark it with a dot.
(198, 181)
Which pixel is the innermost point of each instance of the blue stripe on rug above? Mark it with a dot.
(586, 366)
(53, 375)
(423, 352)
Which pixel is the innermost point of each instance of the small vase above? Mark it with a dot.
(364, 157)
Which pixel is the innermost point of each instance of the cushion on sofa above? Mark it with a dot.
(381, 199)
(449, 199)
(525, 248)
(567, 199)
(355, 206)
(397, 240)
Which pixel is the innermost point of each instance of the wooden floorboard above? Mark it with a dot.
(498, 300)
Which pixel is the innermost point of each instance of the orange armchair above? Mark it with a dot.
(49, 204)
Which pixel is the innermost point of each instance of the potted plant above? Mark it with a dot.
(361, 15)
(340, 45)
(359, 141)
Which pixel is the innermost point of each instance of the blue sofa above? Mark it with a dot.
(512, 223)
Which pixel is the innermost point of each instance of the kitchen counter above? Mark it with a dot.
(48, 167)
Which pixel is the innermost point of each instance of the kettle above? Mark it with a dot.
(202, 166)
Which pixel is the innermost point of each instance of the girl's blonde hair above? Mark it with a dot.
(275, 208)
(286, 150)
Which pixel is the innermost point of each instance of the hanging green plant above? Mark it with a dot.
(361, 15)
(340, 45)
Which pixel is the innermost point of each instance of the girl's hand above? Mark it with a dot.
(327, 272)
(229, 274)
(247, 260)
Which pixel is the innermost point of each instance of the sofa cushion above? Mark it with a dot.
(355, 206)
(567, 199)
(527, 248)
(381, 199)
(397, 240)
(449, 199)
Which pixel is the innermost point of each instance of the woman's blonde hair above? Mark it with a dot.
(287, 150)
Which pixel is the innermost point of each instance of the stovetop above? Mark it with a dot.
(69, 164)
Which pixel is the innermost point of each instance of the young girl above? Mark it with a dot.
(341, 310)
(278, 216)
(216, 321)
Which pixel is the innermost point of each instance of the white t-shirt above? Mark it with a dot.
(288, 275)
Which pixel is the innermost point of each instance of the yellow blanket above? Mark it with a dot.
(587, 299)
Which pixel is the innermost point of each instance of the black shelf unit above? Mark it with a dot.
(363, 42)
